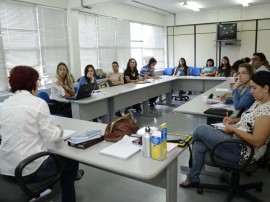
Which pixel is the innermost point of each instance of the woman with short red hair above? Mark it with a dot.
(25, 126)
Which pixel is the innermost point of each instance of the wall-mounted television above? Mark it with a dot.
(227, 31)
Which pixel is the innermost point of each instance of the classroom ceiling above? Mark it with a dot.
(173, 6)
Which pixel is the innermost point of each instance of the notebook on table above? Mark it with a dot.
(122, 149)
(84, 91)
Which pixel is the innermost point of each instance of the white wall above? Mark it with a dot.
(53, 3)
(206, 23)
(222, 15)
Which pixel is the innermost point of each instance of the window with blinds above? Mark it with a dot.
(88, 41)
(102, 41)
(147, 41)
(31, 35)
(53, 32)
(19, 35)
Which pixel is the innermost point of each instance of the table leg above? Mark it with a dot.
(168, 98)
(171, 182)
(145, 108)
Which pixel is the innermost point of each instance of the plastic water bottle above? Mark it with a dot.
(146, 149)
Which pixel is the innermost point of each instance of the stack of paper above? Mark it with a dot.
(171, 147)
(218, 125)
(123, 149)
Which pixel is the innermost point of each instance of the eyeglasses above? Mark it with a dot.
(242, 73)
(255, 59)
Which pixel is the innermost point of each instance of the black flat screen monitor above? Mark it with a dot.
(227, 31)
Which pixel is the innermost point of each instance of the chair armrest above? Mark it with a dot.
(35, 192)
(222, 163)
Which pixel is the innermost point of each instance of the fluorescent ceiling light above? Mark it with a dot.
(191, 5)
(245, 3)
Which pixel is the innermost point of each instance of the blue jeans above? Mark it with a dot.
(205, 137)
(48, 169)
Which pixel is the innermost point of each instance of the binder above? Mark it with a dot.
(86, 144)
(218, 112)
(182, 141)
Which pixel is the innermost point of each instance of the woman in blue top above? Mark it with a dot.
(148, 72)
(242, 98)
(181, 70)
(89, 76)
(210, 69)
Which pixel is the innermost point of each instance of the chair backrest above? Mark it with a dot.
(43, 95)
(195, 72)
(17, 191)
(168, 71)
(76, 89)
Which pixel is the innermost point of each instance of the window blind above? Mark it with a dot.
(19, 34)
(106, 42)
(53, 31)
(88, 40)
(102, 41)
(147, 41)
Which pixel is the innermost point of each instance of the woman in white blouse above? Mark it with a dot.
(62, 87)
(253, 127)
(25, 126)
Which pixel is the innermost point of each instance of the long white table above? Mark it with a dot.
(130, 94)
(95, 106)
(116, 98)
(196, 106)
(158, 173)
(197, 83)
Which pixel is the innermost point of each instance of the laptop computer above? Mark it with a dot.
(84, 91)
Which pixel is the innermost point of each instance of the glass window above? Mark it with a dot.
(32, 35)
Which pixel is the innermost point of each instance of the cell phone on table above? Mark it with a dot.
(138, 141)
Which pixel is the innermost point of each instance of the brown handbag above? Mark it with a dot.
(121, 126)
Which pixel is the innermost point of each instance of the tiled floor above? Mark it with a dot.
(101, 186)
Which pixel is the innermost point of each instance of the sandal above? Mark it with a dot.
(79, 175)
(188, 184)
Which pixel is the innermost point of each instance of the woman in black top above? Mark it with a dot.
(131, 75)
(224, 70)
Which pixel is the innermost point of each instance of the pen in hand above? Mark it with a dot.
(226, 119)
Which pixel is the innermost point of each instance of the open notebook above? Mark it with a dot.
(123, 149)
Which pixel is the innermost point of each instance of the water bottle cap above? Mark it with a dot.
(147, 129)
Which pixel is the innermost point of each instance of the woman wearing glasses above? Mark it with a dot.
(242, 98)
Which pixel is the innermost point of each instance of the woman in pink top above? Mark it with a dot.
(116, 78)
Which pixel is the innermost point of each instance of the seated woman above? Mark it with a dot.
(209, 69)
(253, 127)
(89, 76)
(224, 70)
(62, 87)
(116, 78)
(235, 66)
(148, 72)
(181, 70)
(242, 98)
(25, 126)
(131, 75)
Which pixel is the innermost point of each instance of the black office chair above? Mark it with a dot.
(15, 190)
(232, 183)
(182, 97)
